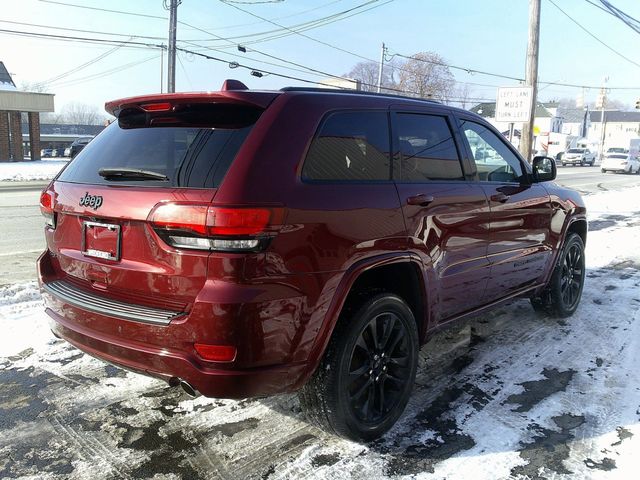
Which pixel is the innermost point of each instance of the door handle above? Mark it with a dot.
(500, 197)
(421, 200)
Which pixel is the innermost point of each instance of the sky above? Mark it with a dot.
(488, 35)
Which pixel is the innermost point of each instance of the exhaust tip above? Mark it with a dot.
(188, 389)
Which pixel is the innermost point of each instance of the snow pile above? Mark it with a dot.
(26, 171)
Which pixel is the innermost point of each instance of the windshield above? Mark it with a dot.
(576, 150)
(621, 156)
(616, 150)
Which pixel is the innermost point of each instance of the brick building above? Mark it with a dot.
(12, 104)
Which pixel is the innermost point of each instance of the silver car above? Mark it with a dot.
(579, 156)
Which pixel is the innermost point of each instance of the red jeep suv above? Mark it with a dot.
(245, 243)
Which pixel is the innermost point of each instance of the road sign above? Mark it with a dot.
(513, 104)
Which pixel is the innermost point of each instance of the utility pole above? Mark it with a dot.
(602, 102)
(171, 55)
(162, 69)
(531, 77)
(382, 53)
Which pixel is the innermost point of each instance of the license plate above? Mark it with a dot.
(101, 240)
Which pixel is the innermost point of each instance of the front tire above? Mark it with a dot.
(364, 381)
(562, 295)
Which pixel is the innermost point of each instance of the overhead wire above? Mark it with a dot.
(586, 30)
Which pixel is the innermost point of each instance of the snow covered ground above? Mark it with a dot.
(507, 394)
(44, 169)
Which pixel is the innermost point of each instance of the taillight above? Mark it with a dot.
(205, 227)
(216, 353)
(46, 208)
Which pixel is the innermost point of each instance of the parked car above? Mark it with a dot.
(620, 162)
(46, 152)
(58, 152)
(299, 240)
(615, 150)
(579, 156)
(78, 145)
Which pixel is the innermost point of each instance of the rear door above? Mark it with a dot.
(103, 200)
(447, 217)
(519, 243)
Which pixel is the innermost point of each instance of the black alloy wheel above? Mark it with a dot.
(379, 368)
(562, 295)
(364, 381)
(572, 275)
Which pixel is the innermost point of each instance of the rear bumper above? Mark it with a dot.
(168, 365)
(263, 366)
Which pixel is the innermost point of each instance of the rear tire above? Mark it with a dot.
(562, 295)
(603, 170)
(365, 378)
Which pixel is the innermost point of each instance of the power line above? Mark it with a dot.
(79, 67)
(593, 36)
(463, 69)
(103, 74)
(307, 36)
(70, 38)
(121, 12)
(114, 34)
(301, 27)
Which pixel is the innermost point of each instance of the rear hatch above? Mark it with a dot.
(161, 155)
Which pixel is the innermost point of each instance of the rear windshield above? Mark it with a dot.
(616, 150)
(576, 150)
(189, 156)
(619, 155)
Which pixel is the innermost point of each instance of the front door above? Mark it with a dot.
(519, 246)
(446, 216)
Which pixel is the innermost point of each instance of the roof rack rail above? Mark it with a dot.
(354, 92)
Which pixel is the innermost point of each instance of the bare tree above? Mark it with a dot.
(463, 92)
(367, 73)
(34, 87)
(81, 114)
(426, 75)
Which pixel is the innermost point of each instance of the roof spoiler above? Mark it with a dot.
(232, 92)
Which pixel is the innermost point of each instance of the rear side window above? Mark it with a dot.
(427, 149)
(190, 156)
(350, 146)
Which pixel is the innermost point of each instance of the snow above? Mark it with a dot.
(506, 394)
(34, 170)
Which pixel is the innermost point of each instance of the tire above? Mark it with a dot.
(603, 170)
(364, 405)
(562, 295)
(564, 164)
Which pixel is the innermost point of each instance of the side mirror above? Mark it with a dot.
(544, 169)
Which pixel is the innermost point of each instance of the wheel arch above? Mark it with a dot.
(363, 275)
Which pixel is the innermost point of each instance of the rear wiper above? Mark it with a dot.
(131, 173)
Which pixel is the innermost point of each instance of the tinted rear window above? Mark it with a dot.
(350, 146)
(576, 150)
(190, 156)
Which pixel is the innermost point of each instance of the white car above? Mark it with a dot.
(579, 156)
(620, 162)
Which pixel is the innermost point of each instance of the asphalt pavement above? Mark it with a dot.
(21, 225)
(21, 231)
